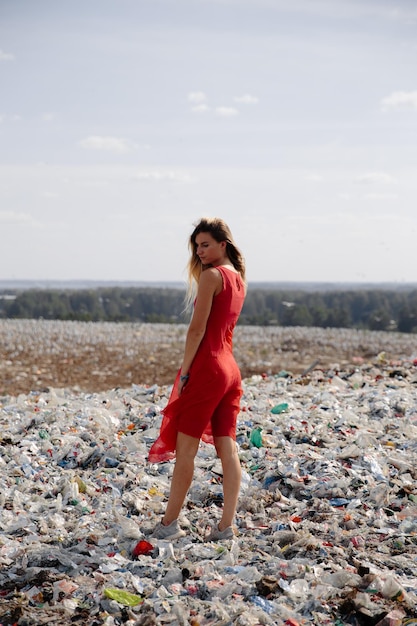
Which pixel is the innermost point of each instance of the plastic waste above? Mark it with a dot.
(279, 408)
(256, 437)
(393, 590)
(264, 604)
(394, 618)
(123, 597)
(142, 547)
(326, 523)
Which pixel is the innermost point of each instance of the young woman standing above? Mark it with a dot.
(205, 399)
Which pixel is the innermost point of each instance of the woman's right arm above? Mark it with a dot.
(209, 283)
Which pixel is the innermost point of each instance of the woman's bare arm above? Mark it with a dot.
(210, 283)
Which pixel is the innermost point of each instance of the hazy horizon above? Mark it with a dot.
(96, 284)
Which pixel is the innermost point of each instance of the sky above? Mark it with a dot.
(122, 122)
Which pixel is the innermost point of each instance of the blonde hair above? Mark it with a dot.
(220, 231)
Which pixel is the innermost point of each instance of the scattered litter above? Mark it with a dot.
(123, 597)
(326, 523)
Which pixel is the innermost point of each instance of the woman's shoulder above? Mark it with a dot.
(210, 273)
(210, 278)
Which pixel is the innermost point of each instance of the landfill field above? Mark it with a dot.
(326, 528)
(38, 354)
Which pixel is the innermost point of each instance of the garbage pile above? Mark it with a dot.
(326, 530)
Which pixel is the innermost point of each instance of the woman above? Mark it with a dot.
(205, 399)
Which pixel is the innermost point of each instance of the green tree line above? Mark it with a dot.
(371, 309)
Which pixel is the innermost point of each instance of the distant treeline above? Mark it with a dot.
(365, 309)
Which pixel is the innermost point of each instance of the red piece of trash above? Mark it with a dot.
(143, 547)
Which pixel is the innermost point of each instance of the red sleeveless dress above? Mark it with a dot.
(210, 401)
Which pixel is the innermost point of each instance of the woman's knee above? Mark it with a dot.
(187, 447)
(226, 447)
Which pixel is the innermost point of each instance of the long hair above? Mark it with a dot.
(220, 231)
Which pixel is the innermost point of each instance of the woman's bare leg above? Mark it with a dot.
(232, 473)
(186, 450)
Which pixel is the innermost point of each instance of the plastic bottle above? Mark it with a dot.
(280, 408)
(263, 604)
(393, 590)
(256, 437)
(245, 481)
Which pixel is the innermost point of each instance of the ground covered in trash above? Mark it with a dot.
(326, 530)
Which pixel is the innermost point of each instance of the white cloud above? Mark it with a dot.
(197, 97)
(10, 217)
(6, 56)
(107, 144)
(314, 178)
(48, 117)
(341, 9)
(247, 99)
(381, 196)
(226, 111)
(400, 101)
(11, 118)
(161, 175)
(376, 177)
(200, 108)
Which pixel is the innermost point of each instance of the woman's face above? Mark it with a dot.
(209, 251)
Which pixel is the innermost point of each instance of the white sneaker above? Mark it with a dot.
(220, 535)
(172, 531)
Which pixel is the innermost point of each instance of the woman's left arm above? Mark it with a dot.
(210, 282)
